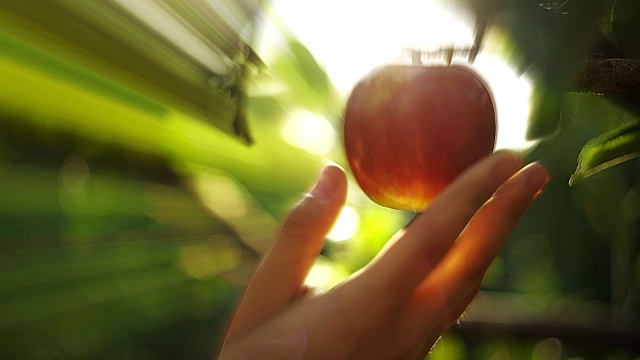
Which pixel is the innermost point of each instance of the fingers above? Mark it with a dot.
(455, 281)
(491, 226)
(420, 247)
(281, 274)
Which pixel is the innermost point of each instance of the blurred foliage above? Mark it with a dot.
(567, 285)
(132, 213)
(130, 217)
(103, 48)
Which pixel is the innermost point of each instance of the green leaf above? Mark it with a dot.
(546, 104)
(608, 150)
(312, 72)
(303, 76)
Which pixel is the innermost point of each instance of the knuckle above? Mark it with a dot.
(298, 221)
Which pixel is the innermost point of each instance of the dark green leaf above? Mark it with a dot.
(549, 40)
(625, 27)
(545, 111)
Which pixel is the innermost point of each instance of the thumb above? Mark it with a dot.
(279, 278)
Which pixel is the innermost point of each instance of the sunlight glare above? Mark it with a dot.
(346, 226)
(351, 37)
(324, 274)
(310, 132)
(511, 95)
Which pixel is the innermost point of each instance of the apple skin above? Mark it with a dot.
(409, 131)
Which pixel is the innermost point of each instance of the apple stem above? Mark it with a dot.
(416, 57)
(481, 27)
(447, 53)
(415, 216)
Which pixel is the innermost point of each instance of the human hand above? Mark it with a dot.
(399, 304)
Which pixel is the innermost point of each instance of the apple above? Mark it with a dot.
(410, 130)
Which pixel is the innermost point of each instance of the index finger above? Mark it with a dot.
(418, 248)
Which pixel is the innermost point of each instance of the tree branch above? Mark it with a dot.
(609, 76)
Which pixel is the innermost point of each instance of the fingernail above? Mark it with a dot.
(538, 177)
(326, 185)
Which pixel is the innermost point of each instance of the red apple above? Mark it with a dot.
(409, 131)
